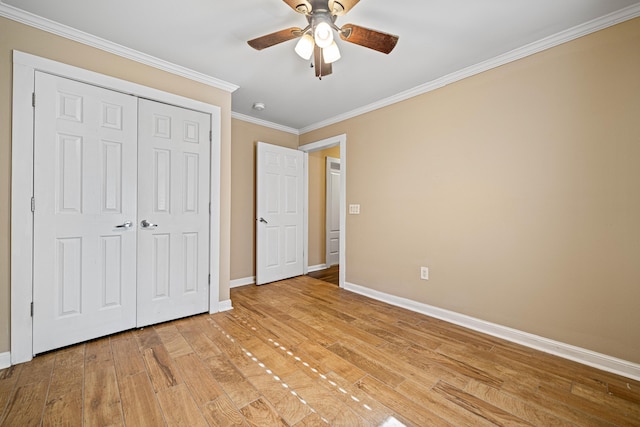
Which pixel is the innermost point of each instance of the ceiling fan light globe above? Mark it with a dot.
(331, 53)
(323, 35)
(304, 47)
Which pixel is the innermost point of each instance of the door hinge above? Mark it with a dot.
(32, 309)
(33, 204)
(209, 208)
(210, 136)
(33, 99)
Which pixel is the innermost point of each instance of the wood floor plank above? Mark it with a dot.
(26, 405)
(221, 412)
(625, 388)
(596, 409)
(558, 408)
(329, 275)
(323, 401)
(139, 403)
(8, 380)
(425, 396)
(191, 330)
(269, 328)
(301, 329)
(413, 355)
(504, 369)
(260, 413)
(435, 329)
(64, 399)
(179, 408)
(279, 394)
(376, 368)
(236, 386)
(203, 386)
(405, 410)
(26, 401)
(329, 361)
(102, 405)
(370, 410)
(97, 354)
(336, 329)
(162, 372)
(312, 420)
(607, 400)
(391, 333)
(38, 370)
(127, 357)
(147, 337)
(478, 406)
(518, 407)
(173, 341)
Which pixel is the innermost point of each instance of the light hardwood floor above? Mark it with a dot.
(302, 352)
(330, 275)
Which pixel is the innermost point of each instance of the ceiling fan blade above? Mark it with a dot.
(321, 67)
(275, 38)
(341, 7)
(376, 40)
(300, 6)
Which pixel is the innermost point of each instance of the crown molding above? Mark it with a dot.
(264, 123)
(578, 31)
(67, 32)
(519, 53)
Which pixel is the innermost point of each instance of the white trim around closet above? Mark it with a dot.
(24, 68)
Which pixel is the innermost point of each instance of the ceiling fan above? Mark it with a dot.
(316, 39)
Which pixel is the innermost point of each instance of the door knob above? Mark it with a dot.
(263, 220)
(146, 224)
(126, 224)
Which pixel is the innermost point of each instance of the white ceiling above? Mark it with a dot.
(437, 38)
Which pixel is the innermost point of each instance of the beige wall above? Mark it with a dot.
(245, 135)
(317, 203)
(27, 39)
(518, 188)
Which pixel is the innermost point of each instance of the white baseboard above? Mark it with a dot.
(5, 360)
(577, 354)
(242, 282)
(318, 267)
(252, 280)
(225, 305)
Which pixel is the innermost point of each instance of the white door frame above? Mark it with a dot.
(329, 206)
(24, 68)
(340, 140)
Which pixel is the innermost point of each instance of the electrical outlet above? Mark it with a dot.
(424, 273)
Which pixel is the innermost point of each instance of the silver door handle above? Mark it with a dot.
(127, 224)
(263, 220)
(146, 224)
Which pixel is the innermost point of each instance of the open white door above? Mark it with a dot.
(84, 276)
(333, 212)
(280, 215)
(173, 212)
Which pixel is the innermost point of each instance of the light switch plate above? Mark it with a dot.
(354, 209)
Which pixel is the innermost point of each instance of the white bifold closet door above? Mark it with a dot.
(173, 199)
(121, 212)
(85, 165)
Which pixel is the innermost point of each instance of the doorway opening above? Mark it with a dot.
(335, 141)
